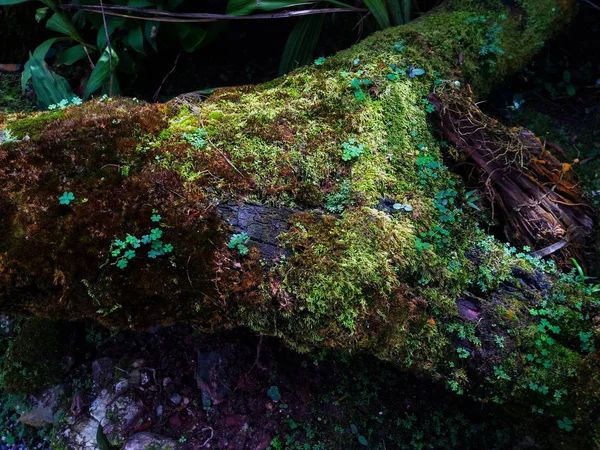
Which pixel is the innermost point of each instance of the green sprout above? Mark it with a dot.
(351, 150)
(565, 424)
(238, 242)
(66, 198)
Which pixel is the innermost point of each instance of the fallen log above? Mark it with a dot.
(316, 208)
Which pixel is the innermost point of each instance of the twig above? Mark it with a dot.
(155, 98)
(593, 5)
(110, 61)
(221, 153)
(166, 16)
(257, 359)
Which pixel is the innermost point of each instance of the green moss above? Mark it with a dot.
(33, 125)
(33, 361)
(12, 99)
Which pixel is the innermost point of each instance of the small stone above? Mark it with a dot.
(138, 363)
(176, 399)
(159, 410)
(143, 441)
(43, 412)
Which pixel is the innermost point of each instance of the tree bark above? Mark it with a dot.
(317, 208)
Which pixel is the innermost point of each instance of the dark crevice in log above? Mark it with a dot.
(263, 224)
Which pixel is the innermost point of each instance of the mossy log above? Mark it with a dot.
(317, 208)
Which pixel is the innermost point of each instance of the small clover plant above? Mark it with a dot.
(196, 139)
(400, 46)
(351, 150)
(8, 136)
(239, 241)
(320, 61)
(565, 424)
(66, 198)
(125, 250)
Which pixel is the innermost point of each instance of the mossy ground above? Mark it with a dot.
(33, 360)
(369, 279)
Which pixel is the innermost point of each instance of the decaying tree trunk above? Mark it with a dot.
(539, 196)
(316, 208)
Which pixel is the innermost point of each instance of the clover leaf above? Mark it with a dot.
(66, 198)
(155, 234)
(565, 424)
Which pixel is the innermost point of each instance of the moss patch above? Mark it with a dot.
(33, 361)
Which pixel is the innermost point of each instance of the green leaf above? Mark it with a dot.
(246, 7)
(61, 24)
(40, 53)
(190, 36)
(273, 391)
(567, 76)
(395, 11)
(139, 3)
(49, 87)
(379, 11)
(11, 2)
(101, 73)
(135, 39)
(172, 4)
(71, 55)
(112, 24)
(40, 13)
(301, 43)
(571, 90)
(150, 32)
(363, 441)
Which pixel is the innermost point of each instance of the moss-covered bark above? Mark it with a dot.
(375, 248)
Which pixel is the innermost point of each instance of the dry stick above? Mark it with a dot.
(110, 62)
(165, 16)
(593, 5)
(165, 78)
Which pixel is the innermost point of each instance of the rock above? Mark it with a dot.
(79, 435)
(99, 405)
(144, 441)
(176, 399)
(103, 370)
(44, 412)
(116, 412)
(138, 363)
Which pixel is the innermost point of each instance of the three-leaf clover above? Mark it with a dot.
(273, 392)
(122, 263)
(155, 233)
(319, 61)
(66, 198)
(155, 218)
(129, 254)
(565, 424)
